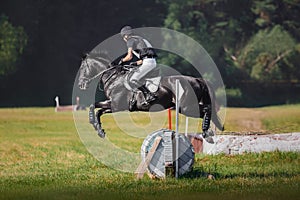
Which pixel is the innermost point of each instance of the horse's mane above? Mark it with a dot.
(100, 56)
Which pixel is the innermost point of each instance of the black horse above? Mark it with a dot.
(195, 102)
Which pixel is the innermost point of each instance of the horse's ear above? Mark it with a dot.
(84, 56)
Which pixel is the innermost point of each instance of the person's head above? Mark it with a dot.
(126, 32)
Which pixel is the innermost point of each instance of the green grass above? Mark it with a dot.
(42, 157)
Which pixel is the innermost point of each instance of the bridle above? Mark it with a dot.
(100, 73)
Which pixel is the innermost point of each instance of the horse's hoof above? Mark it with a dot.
(209, 140)
(210, 176)
(207, 135)
(101, 133)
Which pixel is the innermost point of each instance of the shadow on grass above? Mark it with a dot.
(199, 172)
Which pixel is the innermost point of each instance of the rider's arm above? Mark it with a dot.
(129, 55)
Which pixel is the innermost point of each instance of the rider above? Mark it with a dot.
(142, 49)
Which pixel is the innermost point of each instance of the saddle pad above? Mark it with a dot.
(152, 84)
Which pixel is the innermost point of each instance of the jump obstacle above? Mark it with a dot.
(166, 153)
(254, 143)
(162, 159)
(59, 108)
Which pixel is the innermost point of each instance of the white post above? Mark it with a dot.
(186, 126)
(177, 128)
(57, 101)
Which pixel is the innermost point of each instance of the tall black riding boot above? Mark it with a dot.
(149, 96)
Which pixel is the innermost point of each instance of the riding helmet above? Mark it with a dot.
(126, 30)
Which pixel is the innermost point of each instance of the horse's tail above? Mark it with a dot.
(214, 107)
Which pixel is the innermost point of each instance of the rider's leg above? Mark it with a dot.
(148, 65)
(136, 79)
(149, 96)
(132, 102)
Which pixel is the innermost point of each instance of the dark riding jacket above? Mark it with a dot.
(141, 47)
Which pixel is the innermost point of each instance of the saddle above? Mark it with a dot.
(151, 82)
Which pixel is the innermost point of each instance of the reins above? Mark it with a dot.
(124, 67)
(100, 73)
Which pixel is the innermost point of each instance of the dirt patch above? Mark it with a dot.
(251, 125)
(244, 120)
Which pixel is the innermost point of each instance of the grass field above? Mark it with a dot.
(42, 157)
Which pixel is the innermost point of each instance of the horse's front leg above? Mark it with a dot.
(104, 107)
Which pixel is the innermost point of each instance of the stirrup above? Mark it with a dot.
(132, 105)
(148, 99)
(145, 103)
(151, 97)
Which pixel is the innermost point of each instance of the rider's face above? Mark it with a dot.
(125, 38)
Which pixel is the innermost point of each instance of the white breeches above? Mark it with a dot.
(148, 65)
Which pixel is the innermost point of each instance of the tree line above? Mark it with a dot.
(252, 42)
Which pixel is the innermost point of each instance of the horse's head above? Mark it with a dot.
(89, 69)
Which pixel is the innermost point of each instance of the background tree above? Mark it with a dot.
(268, 55)
(228, 29)
(12, 43)
(58, 32)
(215, 24)
(251, 42)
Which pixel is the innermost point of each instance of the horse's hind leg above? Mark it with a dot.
(206, 118)
(206, 132)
